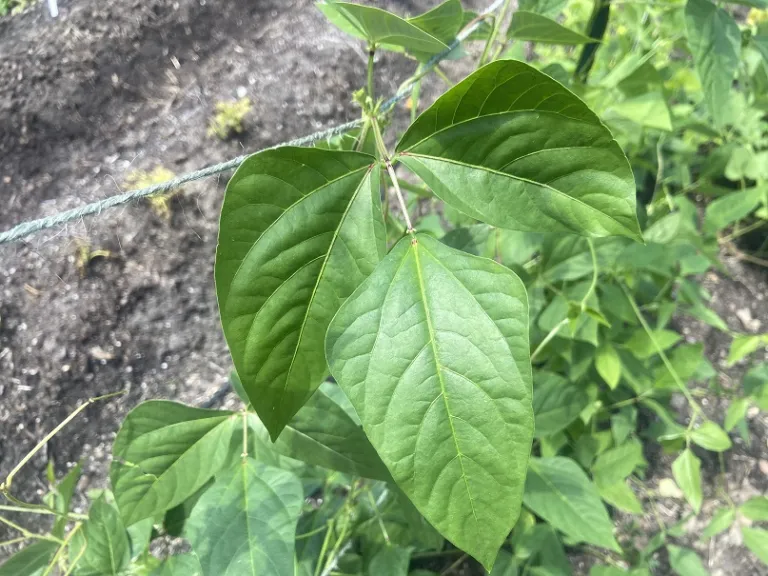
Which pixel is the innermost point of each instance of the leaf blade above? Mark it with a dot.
(424, 404)
(533, 27)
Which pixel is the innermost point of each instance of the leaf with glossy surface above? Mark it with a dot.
(245, 524)
(300, 229)
(511, 147)
(715, 41)
(29, 561)
(377, 26)
(558, 491)
(710, 436)
(687, 472)
(532, 27)
(163, 453)
(556, 403)
(432, 351)
(108, 551)
(756, 539)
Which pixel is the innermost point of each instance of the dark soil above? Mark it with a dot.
(110, 87)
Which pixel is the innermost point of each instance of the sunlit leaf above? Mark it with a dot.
(756, 508)
(756, 539)
(721, 521)
(511, 147)
(744, 345)
(735, 413)
(432, 351)
(300, 229)
(710, 436)
(616, 464)
(442, 22)
(245, 524)
(608, 365)
(163, 453)
(685, 562)
(621, 496)
(108, 549)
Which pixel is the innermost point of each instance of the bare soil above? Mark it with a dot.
(117, 85)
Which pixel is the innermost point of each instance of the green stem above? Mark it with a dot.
(548, 338)
(742, 231)
(13, 541)
(497, 24)
(5, 487)
(371, 54)
(378, 516)
(26, 533)
(595, 272)
(61, 549)
(672, 372)
(46, 511)
(455, 565)
(385, 156)
(444, 77)
(244, 455)
(324, 548)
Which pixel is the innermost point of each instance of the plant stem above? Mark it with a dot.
(453, 566)
(324, 548)
(444, 77)
(498, 21)
(672, 372)
(385, 156)
(439, 554)
(12, 541)
(26, 533)
(62, 548)
(378, 516)
(5, 487)
(595, 272)
(244, 455)
(36, 510)
(742, 231)
(371, 54)
(548, 337)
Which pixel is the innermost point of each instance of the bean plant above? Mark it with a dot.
(457, 346)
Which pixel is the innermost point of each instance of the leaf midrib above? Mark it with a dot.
(439, 371)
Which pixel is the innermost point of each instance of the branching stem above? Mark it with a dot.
(390, 169)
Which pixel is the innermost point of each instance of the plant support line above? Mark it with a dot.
(30, 227)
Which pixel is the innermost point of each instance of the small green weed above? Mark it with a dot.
(229, 117)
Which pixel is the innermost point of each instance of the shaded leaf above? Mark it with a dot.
(715, 41)
(558, 491)
(511, 147)
(687, 472)
(390, 561)
(731, 208)
(179, 565)
(556, 403)
(163, 454)
(649, 110)
(300, 229)
(246, 522)
(108, 549)
(432, 351)
(532, 27)
(29, 561)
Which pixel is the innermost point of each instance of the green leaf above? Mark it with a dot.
(744, 345)
(532, 27)
(556, 403)
(323, 433)
(710, 436)
(511, 147)
(246, 522)
(756, 540)
(649, 110)
(432, 350)
(715, 42)
(558, 491)
(685, 360)
(300, 229)
(608, 365)
(377, 26)
(506, 565)
(621, 496)
(442, 22)
(616, 464)
(108, 551)
(30, 560)
(685, 562)
(390, 561)
(623, 423)
(736, 412)
(686, 470)
(760, 41)
(179, 565)
(731, 208)
(641, 344)
(721, 521)
(756, 508)
(163, 453)
(65, 488)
